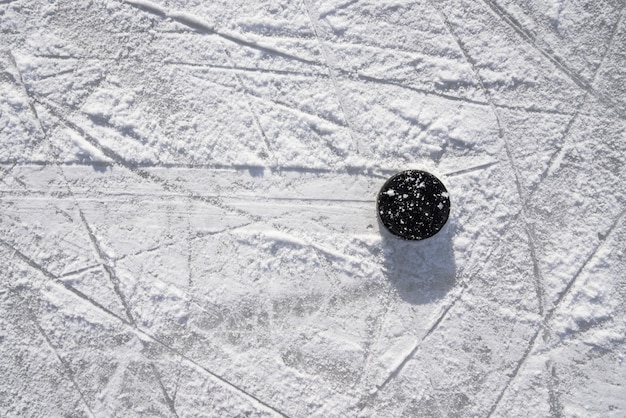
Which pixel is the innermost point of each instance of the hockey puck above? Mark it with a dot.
(413, 205)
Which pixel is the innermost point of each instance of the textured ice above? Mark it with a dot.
(188, 219)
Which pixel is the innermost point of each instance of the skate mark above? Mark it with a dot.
(320, 250)
(374, 342)
(445, 96)
(335, 121)
(351, 170)
(581, 269)
(136, 330)
(562, 66)
(66, 367)
(191, 239)
(253, 113)
(93, 86)
(161, 198)
(299, 36)
(203, 27)
(326, 268)
(463, 285)
(54, 279)
(332, 278)
(30, 100)
(147, 6)
(307, 199)
(79, 271)
(395, 372)
(6, 171)
(470, 61)
(64, 57)
(550, 313)
(57, 74)
(248, 94)
(533, 109)
(609, 43)
(231, 386)
(556, 407)
(361, 44)
(394, 83)
(471, 169)
(339, 7)
(122, 131)
(190, 255)
(169, 401)
(557, 157)
(23, 185)
(68, 218)
(177, 384)
(333, 78)
(104, 260)
(255, 117)
(290, 237)
(371, 396)
(346, 42)
(537, 275)
(514, 373)
(527, 36)
(247, 70)
(146, 175)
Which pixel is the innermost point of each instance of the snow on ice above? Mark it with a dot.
(188, 216)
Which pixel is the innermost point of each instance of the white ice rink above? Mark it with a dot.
(188, 223)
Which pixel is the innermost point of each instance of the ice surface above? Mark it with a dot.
(188, 208)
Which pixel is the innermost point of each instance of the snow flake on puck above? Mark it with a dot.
(413, 205)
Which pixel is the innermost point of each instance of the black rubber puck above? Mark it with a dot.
(413, 205)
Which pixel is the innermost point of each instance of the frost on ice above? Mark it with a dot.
(188, 192)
